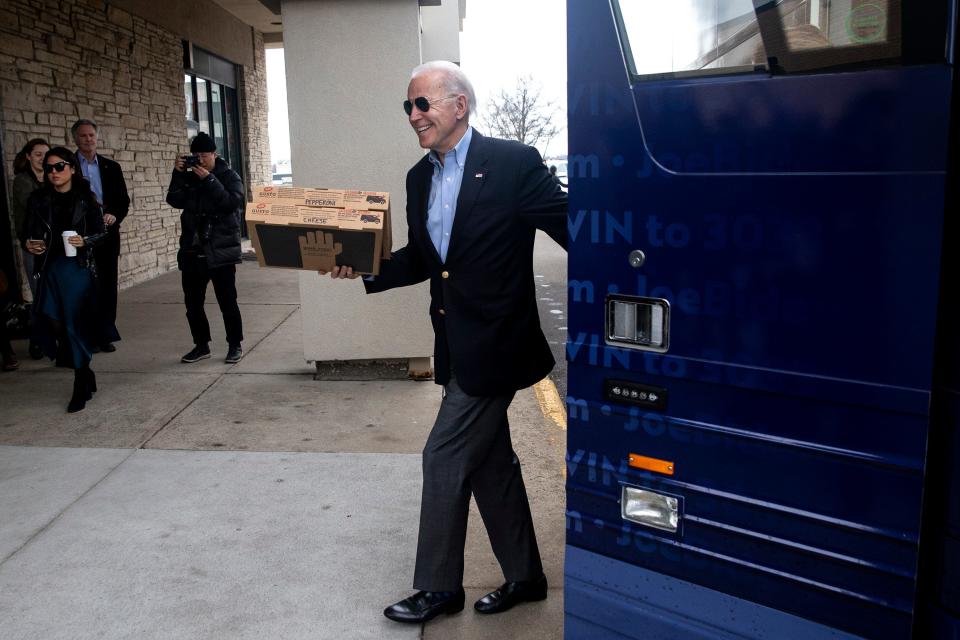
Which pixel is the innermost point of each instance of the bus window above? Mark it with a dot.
(836, 23)
(689, 37)
(802, 35)
(701, 37)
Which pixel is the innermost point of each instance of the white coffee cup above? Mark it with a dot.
(68, 248)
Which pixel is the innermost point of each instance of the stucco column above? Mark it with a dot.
(348, 63)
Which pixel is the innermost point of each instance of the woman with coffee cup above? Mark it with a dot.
(63, 224)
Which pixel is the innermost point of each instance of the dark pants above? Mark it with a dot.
(6, 350)
(469, 451)
(107, 257)
(195, 278)
(28, 268)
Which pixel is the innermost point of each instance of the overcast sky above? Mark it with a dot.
(505, 39)
(501, 40)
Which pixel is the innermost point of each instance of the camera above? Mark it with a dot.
(190, 161)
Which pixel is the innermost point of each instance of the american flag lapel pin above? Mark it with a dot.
(478, 175)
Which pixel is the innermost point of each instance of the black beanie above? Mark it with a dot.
(202, 144)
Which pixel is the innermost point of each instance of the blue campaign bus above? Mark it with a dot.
(763, 353)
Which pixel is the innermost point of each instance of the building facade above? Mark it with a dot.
(153, 74)
(150, 75)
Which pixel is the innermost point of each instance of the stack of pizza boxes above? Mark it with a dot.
(316, 229)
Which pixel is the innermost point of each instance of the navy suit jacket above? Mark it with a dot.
(483, 298)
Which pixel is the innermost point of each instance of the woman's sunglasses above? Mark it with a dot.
(422, 104)
(57, 166)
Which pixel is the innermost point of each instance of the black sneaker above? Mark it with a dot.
(197, 353)
(234, 354)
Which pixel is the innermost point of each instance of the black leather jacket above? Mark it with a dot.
(38, 225)
(212, 209)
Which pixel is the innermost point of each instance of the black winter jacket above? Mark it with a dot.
(211, 214)
(38, 224)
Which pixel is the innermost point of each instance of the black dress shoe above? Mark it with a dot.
(512, 593)
(107, 347)
(425, 605)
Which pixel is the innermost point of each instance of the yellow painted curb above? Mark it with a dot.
(550, 403)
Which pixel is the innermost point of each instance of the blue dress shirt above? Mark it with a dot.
(444, 190)
(91, 171)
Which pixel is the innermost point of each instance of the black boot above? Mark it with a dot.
(89, 381)
(81, 391)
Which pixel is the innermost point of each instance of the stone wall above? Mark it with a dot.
(253, 125)
(66, 59)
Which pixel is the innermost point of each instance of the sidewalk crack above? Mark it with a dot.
(59, 515)
(143, 444)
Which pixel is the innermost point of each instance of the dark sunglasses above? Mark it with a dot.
(423, 104)
(58, 167)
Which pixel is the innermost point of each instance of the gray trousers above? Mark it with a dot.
(469, 451)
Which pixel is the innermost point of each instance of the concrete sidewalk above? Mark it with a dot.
(244, 501)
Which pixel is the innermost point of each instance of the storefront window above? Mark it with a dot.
(211, 102)
(193, 127)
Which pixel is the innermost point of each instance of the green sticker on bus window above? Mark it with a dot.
(867, 23)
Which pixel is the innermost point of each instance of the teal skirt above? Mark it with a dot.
(67, 324)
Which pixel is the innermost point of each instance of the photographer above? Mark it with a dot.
(211, 196)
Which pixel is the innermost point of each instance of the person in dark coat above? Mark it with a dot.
(67, 322)
(474, 205)
(8, 293)
(7, 354)
(553, 174)
(212, 198)
(28, 177)
(110, 189)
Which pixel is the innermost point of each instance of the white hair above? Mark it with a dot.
(453, 78)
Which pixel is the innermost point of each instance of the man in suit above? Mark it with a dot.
(473, 207)
(107, 183)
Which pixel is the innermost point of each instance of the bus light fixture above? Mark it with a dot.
(650, 508)
(646, 463)
(638, 323)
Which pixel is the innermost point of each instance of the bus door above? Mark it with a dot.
(757, 198)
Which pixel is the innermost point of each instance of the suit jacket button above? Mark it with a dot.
(442, 312)
(445, 275)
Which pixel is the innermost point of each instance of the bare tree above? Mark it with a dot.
(522, 114)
